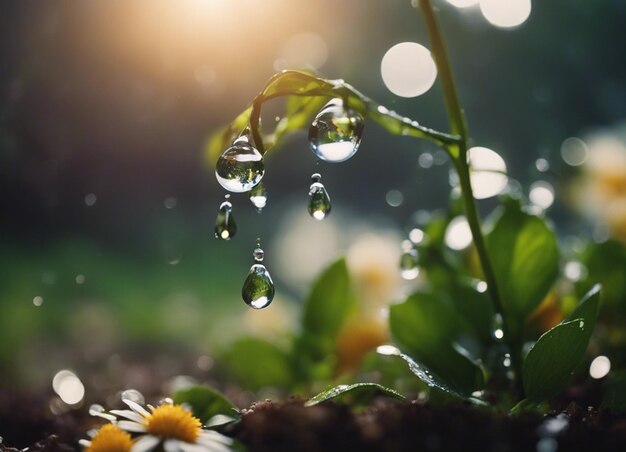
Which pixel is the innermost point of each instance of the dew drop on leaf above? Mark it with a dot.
(319, 201)
(335, 134)
(225, 226)
(409, 261)
(240, 167)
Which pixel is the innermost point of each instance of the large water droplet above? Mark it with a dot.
(258, 288)
(225, 226)
(336, 132)
(258, 196)
(240, 167)
(319, 201)
(134, 396)
(409, 261)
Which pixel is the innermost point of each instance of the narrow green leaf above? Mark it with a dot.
(358, 393)
(615, 395)
(221, 139)
(554, 357)
(256, 363)
(525, 257)
(205, 402)
(426, 327)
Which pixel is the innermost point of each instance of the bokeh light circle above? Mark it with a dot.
(408, 69)
(505, 13)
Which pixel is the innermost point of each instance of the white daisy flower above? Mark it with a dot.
(169, 425)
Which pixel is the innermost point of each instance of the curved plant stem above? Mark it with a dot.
(458, 126)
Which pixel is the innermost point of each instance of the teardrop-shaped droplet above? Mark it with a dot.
(319, 201)
(258, 196)
(409, 268)
(258, 289)
(96, 409)
(225, 226)
(335, 134)
(240, 167)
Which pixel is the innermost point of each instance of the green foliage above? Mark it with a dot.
(554, 357)
(356, 394)
(205, 402)
(426, 327)
(258, 363)
(525, 257)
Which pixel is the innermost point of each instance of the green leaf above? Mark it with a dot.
(525, 258)
(329, 303)
(554, 357)
(223, 138)
(298, 83)
(205, 402)
(426, 328)
(615, 395)
(256, 364)
(357, 394)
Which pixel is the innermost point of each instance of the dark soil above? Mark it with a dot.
(383, 426)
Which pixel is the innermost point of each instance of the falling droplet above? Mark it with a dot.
(319, 201)
(335, 134)
(225, 226)
(240, 167)
(258, 196)
(258, 288)
(408, 261)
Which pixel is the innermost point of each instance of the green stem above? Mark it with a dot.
(458, 126)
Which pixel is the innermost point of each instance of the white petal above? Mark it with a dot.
(128, 414)
(145, 443)
(136, 407)
(131, 426)
(107, 416)
(171, 445)
(210, 436)
(84, 442)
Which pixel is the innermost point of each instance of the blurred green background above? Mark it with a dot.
(108, 202)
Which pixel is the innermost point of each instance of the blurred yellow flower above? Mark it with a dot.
(109, 439)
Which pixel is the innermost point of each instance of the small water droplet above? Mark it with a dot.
(95, 409)
(258, 196)
(134, 396)
(166, 401)
(225, 226)
(258, 288)
(497, 328)
(335, 134)
(409, 261)
(240, 167)
(319, 201)
(581, 325)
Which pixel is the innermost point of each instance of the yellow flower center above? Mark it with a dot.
(111, 439)
(172, 421)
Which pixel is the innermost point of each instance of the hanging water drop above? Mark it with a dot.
(335, 134)
(319, 201)
(258, 288)
(409, 261)
(225, 226)
(240, 167)
(258, 196)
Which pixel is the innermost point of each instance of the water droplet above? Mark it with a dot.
(258, 196)
(408, 261)
(134, 396)
(258, 288)
(225, 226)
(335, 133)
(319, 201)
(581, 325)
(166, 401)
(95, 409)
(240, 167)
(498, 331)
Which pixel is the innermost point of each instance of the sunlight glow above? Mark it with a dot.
(302, 51)
(408, 69)
(488, 172)
(505, 13)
